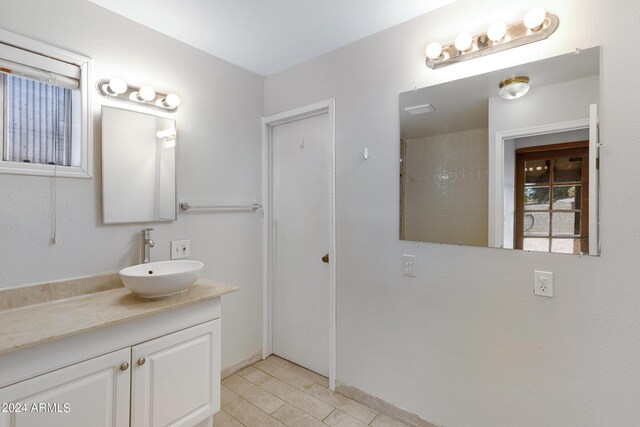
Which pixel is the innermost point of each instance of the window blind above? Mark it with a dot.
(38, 122)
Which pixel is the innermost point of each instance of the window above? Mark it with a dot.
(552, 198)
(44, 110)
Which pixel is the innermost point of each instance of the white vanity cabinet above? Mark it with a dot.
(175, 379)
(161, 370)
(90, 393)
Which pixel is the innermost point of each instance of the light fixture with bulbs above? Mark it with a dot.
(537, 25)
(117, 89)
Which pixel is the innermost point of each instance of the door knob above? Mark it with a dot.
(124, 366)
(325, 259)
(141, 361)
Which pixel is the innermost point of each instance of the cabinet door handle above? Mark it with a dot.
(141, 361)
(124, 366)
(325, 259)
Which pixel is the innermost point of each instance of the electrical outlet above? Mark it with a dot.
(543, 283)
(409, 265)
(180, 249)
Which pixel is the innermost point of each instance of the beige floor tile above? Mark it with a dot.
(339, 419)
(222, 419)
(252, 393)
(294, 417)
(249, 415)
(310, 375)
(349, 406)
(254, 375)
(297, 398)
(276, 360)
(384, 421)
(284, 375)
(226, 396)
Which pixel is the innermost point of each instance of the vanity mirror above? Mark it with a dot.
(507, 159)
(138, 167)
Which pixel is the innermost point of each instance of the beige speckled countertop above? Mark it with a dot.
(27, 325)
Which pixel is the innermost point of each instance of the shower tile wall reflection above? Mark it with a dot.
(445, 185)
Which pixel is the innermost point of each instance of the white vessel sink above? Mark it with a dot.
(161, 279)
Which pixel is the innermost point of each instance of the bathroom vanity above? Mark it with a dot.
(88, 353)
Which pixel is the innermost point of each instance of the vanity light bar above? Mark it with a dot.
(537, 25)
(118, 90)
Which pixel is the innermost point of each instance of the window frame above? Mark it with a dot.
(48, 52)
(553, 151)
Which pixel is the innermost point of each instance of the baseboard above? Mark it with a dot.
(226, 372)
(380, 405)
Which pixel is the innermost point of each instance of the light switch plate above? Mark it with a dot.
(409, 265)
(180, 249)
(543, 283)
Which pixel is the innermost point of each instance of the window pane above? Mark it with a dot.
(568, 169)
(537, 172)
(38, 122)
(536, 198)
(536, 244)
(566, 223)
(565, 246)
(567, 197)
(536, 224)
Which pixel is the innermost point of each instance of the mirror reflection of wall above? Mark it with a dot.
(138, 167)
(469, 158)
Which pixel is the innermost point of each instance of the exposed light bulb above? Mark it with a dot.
(434, 50)
(463, 42)
(117, 86)
(172, 100)
(534, 19)
(497, 31)
(146, 93)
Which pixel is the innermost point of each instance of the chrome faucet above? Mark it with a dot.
(147, 244)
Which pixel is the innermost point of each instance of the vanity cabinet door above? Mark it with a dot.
(91, 393)
(176, 378)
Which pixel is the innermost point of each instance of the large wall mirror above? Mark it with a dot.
(138, 167)
(507, 159)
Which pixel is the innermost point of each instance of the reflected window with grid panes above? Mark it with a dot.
(552, 198)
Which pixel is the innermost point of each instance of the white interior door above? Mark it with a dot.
(301, 165)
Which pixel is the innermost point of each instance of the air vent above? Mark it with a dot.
(420, 109)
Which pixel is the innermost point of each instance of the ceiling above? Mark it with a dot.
(463, 104)
(267, 36)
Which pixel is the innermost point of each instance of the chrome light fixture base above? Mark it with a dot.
(516, 35)
(131, 95)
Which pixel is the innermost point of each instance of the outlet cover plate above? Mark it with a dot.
(543, 283)
(409, 265)
(180, 249)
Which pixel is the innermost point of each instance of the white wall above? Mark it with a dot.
(467, 343)
(218, 159)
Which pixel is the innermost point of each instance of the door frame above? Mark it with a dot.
(497, 172)
(268, 123)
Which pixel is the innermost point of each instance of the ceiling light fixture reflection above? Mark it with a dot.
(514, 87)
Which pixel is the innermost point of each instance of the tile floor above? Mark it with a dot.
(276, 392)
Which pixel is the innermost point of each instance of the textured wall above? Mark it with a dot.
(467, 343)
(218, 159)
